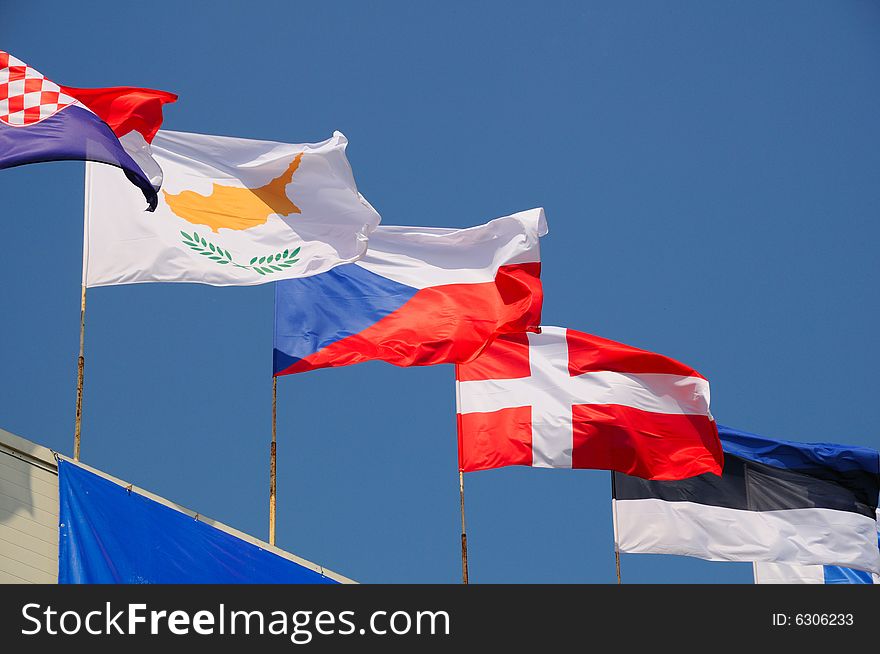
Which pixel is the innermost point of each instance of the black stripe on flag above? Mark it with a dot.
(753, 486)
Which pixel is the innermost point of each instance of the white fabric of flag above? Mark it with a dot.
(782, 573)
(232, 212)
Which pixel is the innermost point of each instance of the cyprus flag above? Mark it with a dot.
(232, 212)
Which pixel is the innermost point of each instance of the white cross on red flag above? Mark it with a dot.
(565, 399)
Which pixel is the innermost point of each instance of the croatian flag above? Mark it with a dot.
(565, 399)
(135, 116)
(776, 502)
(39, 122)
(419, 296)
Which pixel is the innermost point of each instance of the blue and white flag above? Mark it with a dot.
(776, 501)
(780, 573)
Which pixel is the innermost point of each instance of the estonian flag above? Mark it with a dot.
(776, 501)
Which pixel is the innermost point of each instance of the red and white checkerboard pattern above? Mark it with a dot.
(26, 97)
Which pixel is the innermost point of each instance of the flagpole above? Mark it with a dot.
(464, 560)
(272, 476)
(617, 563)
(80, 374)
(614, 520)
(81, 361)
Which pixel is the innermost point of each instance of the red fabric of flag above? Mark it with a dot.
(565, 399)
(126, 108)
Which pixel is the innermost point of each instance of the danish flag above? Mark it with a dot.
(565, 399)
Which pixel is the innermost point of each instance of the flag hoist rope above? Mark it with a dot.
(272, 462)
(81, 361)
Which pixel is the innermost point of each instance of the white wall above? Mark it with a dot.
(28, 512)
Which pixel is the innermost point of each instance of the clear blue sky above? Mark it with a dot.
(710, 176)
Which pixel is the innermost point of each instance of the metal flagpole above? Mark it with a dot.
(464, 562)
(272, 478)
(614, 520)
(617, 563)
(80, 374)
(81, 361)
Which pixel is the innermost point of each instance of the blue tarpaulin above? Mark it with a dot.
(111, 535)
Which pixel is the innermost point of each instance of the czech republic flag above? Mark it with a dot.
(419, 296)
(41, 121)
